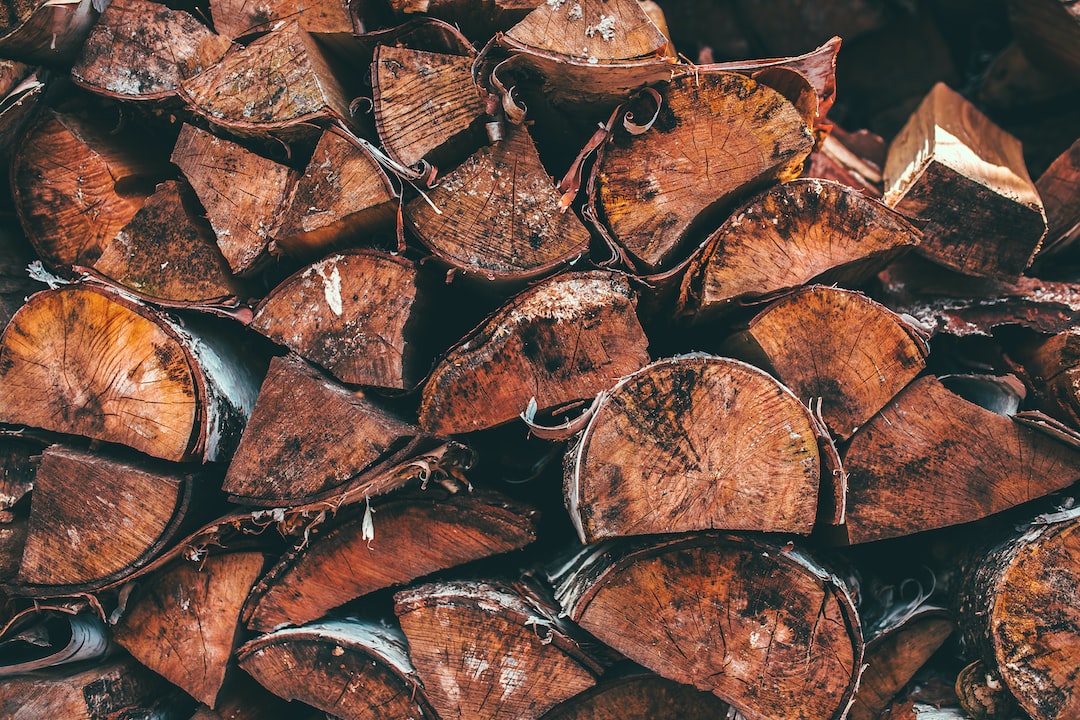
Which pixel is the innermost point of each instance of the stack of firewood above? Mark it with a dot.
(519, 359)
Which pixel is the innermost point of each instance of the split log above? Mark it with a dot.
(852, 159)
(932, 459)
(492, 650)
(762, 626)
(21, 88)
(1049, 32)
(350, 668)
(88, 361)
(141, 50)
(183, 622)
(353, 314)
(983, 695)
(244, 699)
(965, 180)
(16, 254)
(717, 138)
(694, 443)
(640, 695)
(307, 435)
(1016, 609)
(40, 32)
(96, 519)
(242, 192)
(838, 345)
(1057, 189)
(564, 339)
(499, 215)
(1051, 367)
(47, 635)
(477, 19)
(239, 18)
(76, 186)
(388, 543)
(795, 233)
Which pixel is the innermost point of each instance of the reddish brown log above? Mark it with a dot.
(238, 18)
(640, 695)
(1057, 189)
(1049, 31)
(46, 33)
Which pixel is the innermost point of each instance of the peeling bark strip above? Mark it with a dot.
(761, 626)
(640, 695)
(694, 443)
(87, 361)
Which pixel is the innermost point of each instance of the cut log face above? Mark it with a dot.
(86, 361)
(565, 339)
(15, 285)
(141, 50)
(352, 669)
(1052, 365)
(306, 436)
(594, 30)
(932, 459)
(841, 346)
(93, 519)
(717, 137)
(350, 314)
(242, 192)
(237, 18)
(426, 105)
(500, 216)
(965, 178)
(764, 628)
(486, 650)
(166, 251)
(76, 187)
(694, 443)
(640, 695)
(406, 539)
(183, 623)
(792, 234)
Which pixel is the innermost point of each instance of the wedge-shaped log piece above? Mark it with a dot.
(694, 443)
(242, 192)
(485, 649)
(352, 314)
(426, 105)
(94, 519)
(717, 138)
(277, 85)
(342, 195)
(1049, 32)
(183, 622)
(76, 186)
(353, 669)
(46, 33)
(564, 339)
(593, 30)
(499, 215)
(761, 625)
(640, 695)
(932, 459)
(789, 235)
(1017, 610)
(965, 179)
(396, 541)
(238, 18)
(1057, 190)
(141, 50)
(306, 436)
(244, 699)
(167, 251)
(87, 361)
(838, 345)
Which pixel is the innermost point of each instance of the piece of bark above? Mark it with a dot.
(1057, 189)
(48, 636)
(141, 50)
(21, 88)
(426, 105)
(792, 234)
(95, 519)
(76, 186)
(639, 695)
(168, 251)
(1051, 367)
(840, 158)
(1016, 610)
(306, 436)
(350, 668)
(388, 543)
(353, 314)
(492, 650)
(564, 339)
(964, 180)
(237, 18)
(694, 443)
(242, 193)
(499, 215)
(343, 195)
(838, 345)
(46, 33)
(1049, 32)
(762, 626)
(279, 85)
(184, 622)
(983, 695)
(932, 459)
(1012, 82)
(716, 139)
(85, 360)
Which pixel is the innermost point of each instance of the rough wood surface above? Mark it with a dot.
(1049, 31)
(46, 33)
(592, 30)
(640, 695)
(239, 18)
(1057, 189)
